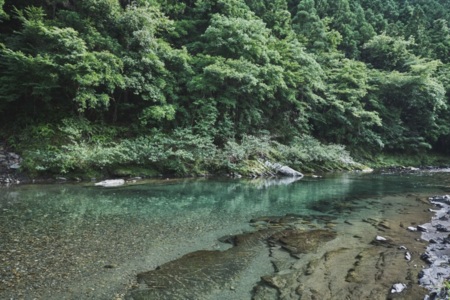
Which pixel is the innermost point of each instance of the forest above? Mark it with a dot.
(191, 87)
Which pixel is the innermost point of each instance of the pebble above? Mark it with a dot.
(398, 288)
(408, 256)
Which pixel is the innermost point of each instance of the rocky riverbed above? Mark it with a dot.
(373, 258)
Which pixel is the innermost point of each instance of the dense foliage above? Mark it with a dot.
(196, 85)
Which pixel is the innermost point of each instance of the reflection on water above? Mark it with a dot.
(246, 198)
(143, 225)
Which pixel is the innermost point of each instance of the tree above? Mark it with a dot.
(314, 31)
(275, 14)
(44, 64)
(237, 37)
(152, 68)
(440, 40)
(388, 53)
(3, 15)
(345, 116)
(409, 105)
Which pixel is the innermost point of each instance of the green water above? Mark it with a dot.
(77, 239)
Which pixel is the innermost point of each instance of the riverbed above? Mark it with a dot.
(79, 241)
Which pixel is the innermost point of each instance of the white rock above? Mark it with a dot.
(380, 238)
(283, 170)
(398, 288)
(111, 182)
(408, 256)
(412, 228)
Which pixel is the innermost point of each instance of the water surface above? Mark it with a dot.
(78, 241)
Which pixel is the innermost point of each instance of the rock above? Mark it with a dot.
(398, 288)
(283, 170)
(422, 228)
(380, 238)
(274, 281)
(14, 166)
(300, 242)
(287, 171)
(13, 155)
(111, 182)
(408, 256)
(412, 228)
(441, 228)
(384, 225)
(202, 272)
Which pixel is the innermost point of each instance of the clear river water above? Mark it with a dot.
(79, 241)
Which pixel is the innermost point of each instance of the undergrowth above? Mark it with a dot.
(77, 146)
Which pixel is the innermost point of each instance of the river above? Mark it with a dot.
(78, 241)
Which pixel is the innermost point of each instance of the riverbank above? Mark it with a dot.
(436, 276)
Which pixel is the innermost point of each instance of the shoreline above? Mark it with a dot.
(436, 232)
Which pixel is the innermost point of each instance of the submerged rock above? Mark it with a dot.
(298, 241)
(201, 272)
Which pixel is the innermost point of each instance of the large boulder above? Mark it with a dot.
(283, 170)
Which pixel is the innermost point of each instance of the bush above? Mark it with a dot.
(79, 146)
(309, 154)
(181, 152)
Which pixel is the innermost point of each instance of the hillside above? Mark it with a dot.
(197, 86)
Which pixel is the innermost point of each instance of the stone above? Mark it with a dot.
(422, 228)
(441, 228)
(398, 288)
(199, 273)
(412, 228)
(14, 166)
(408, 256)
(287, 171)
(111, 183)
(298, 242)
(283, 170)
(380, 238)
(13, 155)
